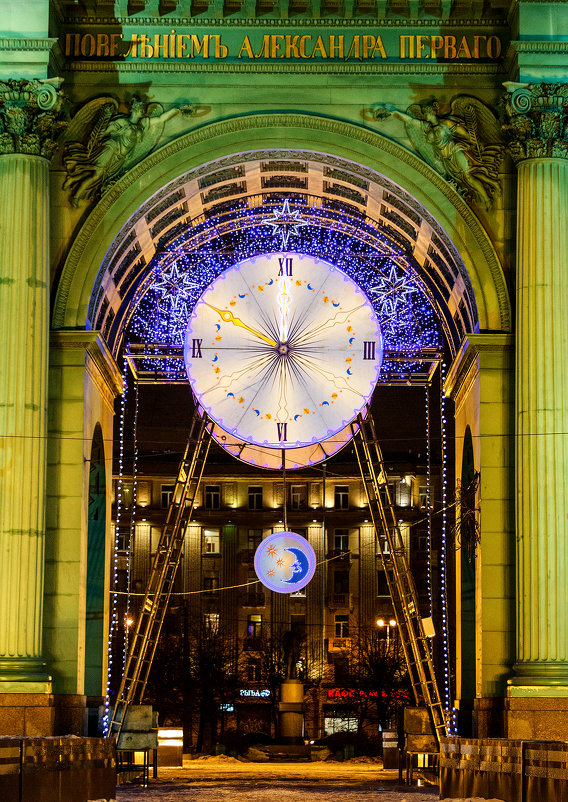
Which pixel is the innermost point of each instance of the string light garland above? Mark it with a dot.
(132, 528)
(428, 498)
(443, 548)
(113, 623)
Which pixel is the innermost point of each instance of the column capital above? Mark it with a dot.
(30, 116)
(536, 120)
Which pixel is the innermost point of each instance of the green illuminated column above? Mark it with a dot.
(28, 121)
(537, 117)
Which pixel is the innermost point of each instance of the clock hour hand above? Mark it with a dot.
(228, 317)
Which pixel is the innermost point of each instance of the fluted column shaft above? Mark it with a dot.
(542, 422)
(24, 329)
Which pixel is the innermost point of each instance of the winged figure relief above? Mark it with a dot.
(102, 143)
(464, 145)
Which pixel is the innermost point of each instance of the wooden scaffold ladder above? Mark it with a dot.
(160, 584)
(397, 571)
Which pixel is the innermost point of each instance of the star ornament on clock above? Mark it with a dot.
(286, 222)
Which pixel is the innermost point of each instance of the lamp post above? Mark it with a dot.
(391, 624)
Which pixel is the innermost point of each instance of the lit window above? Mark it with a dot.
(211, 623)
(212, 497)
(211, 537)
(254, 625)
(341, 497)
(341, 539)
(167, 495)
(255, 497)
(341, 626)
(299, 497)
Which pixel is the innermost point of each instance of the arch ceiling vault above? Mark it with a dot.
(211, 180)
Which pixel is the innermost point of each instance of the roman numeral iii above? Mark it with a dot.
(369, 349)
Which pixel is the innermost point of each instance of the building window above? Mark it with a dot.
(387, 497)
(341, 582)
(341, 626)
(255, 497)
(254, 538)
(211, 582)
(341, 671)
(254, 625)
(167, 495)
(123, 538)
(341, 539)
(211, 623)
(211, 537)
(212, 497)
(299, 497)
(382, 584)
(423, 494)
(253, 671)
(341, 497)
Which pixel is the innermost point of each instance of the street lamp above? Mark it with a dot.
(391, 624)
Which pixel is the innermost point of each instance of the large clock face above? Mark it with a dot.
(283, 350)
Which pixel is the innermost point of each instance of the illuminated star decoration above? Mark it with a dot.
(393, 293)
(287, 222)
(174, 287)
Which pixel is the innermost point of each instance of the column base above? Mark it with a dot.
(24, 675)
(539, 674)
(537, 713)
(28, 714)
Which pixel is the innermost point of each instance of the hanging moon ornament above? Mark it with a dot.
(285, 562)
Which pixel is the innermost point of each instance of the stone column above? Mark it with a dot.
(537, 121)
(28, 122)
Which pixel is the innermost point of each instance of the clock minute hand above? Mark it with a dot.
(228, 317)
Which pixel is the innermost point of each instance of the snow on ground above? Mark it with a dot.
(225, 779)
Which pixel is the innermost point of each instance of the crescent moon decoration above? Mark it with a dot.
(297, 416)
(300, 566)
(310, 287)
(268, 283)
(257, 411)
(218, 327)
(242, 296)
(349, 371)
(230, 395)
(285, 562)
(335, 304)
(325, 403)
(215, 358)
(351, 339)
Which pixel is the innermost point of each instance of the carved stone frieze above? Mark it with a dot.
(31, 116)
(536, 120)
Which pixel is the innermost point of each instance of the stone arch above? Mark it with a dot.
(435, 200)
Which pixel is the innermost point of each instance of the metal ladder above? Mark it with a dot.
(160, 584)
(397, 571)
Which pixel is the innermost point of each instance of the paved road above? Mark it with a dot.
(216, 780)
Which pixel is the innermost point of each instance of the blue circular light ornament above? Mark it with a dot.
(285, 562)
